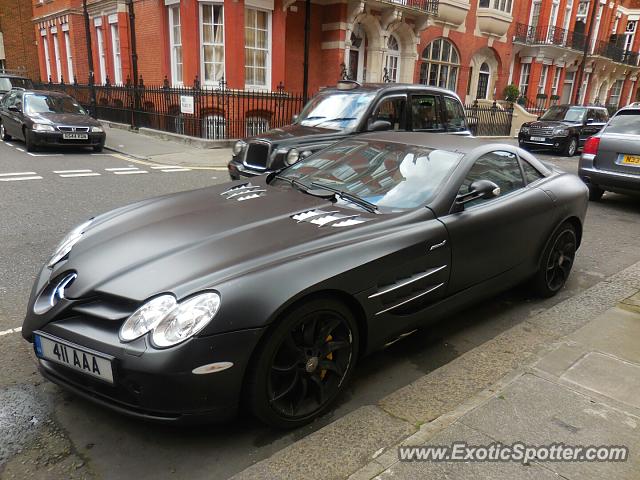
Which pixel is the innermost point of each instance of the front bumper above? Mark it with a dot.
(56, 138)
(153, 384)
(238, 170)
(552, 142)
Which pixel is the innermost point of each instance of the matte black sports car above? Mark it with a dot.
(267, 292)
(563, 128)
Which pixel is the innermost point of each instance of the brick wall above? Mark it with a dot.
(19, 38)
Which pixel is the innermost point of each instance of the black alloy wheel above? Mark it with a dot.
(571, 147)
(3, 133)
(304, 364)
(557, 261)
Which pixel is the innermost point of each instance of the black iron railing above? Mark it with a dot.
(219, 113)
(613, 52)
(428, 6)
(549, 35)
(490, 120)
(536, 107)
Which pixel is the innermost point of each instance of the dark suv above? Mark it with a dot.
(346, 110)
(8, 82)
(563, 128)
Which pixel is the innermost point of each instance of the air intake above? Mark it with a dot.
(331, 218)
(243, 192)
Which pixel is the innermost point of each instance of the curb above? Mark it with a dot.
(122, 152)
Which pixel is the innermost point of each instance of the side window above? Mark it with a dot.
(500, 167)
(393, 110)
(591, 114)
(9, 99)
(530, 173)
(602, 116)
(17, 101)
(456, 120)
(425, 114)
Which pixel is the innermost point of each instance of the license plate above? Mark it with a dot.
(73, 356)
(538, 139)
(75, 136)
(631, 160)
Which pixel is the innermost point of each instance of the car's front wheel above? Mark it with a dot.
(28, 140)
(304, 364)
(3, 133)
(595, 193)
(557, 261)
(571, 147)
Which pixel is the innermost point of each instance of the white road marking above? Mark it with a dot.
(130, 172)
(166, 166)
(168, 170)
(72, 171)
(11, 330)
(19, 149)
(70, 175)
(10, 144)
(16, 174)
(11, 179)
(44, 154)
(118, 169)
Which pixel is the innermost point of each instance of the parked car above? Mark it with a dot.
(266, 291)
(563, 128)
(9, 82)
(610, 160)
(42, 118)
(348, 110)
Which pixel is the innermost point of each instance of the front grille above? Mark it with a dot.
(257, 155)
(74, 129)
(541, 131)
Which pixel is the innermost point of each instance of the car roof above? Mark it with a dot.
(580, 106)
(635, 107)
(12, 75)
(51, 93)
(437, 141)
(378, 87)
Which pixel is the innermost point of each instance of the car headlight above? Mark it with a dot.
(239, 146)
(43, 127)
(560, 131)
(292, 157)
(147, 317)
(67, 243)
(524, 129)
(97, 129)
(186, 320)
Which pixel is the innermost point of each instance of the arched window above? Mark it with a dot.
(256, 124)
(393, 58)
(213, 126)
(440, 64)
(483, 81)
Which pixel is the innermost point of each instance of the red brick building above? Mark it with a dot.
(18, 50)
(475, 47)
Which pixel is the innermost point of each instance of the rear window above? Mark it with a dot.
(7, 83)
(626, 121)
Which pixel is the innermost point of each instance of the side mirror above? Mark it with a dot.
(480, 189)
(294, 119)
(13, 108)
(379, 125)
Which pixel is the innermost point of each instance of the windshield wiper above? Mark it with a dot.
(353, 198)
(338, 119)
(294, 182)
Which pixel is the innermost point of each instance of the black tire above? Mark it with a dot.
(286, 385)
(556, 261)
(571, 147)
(28, 141)
(98, 148)
(595, 193)
(3, 134)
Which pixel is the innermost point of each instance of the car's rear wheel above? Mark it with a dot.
(571, 147)
(304, 364)
(3, 133)
(595, 193)
(557, 261)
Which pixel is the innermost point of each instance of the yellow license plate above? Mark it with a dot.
(631, 160)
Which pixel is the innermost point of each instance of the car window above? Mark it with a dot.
(9, 99)
(602, 116)
(52, 104)
(425, 114)
(500, 167)
(393, 111)
(592, 115)
(626, 121)
(456, 119)
(530, 172)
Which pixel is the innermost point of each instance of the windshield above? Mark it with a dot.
(7, 83)
(52, 104)
(564, 114)
(392, 176)
(335, 110)
(627, 122)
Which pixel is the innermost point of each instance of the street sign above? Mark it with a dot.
(186, 104)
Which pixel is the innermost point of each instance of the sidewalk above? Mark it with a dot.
(570, 374)
(167, 152)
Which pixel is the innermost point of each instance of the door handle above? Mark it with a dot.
(438, 245)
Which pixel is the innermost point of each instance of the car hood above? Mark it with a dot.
(188, 241)
(290, 132)
(73, 119)
(542, 123)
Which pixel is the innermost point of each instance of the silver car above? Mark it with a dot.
(610, 160)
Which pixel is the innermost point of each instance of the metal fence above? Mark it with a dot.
(490, 120)
(217, 114)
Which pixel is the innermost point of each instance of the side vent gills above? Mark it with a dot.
(331, 218)
(244, 191)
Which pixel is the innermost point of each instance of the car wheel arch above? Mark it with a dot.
(573, 221)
